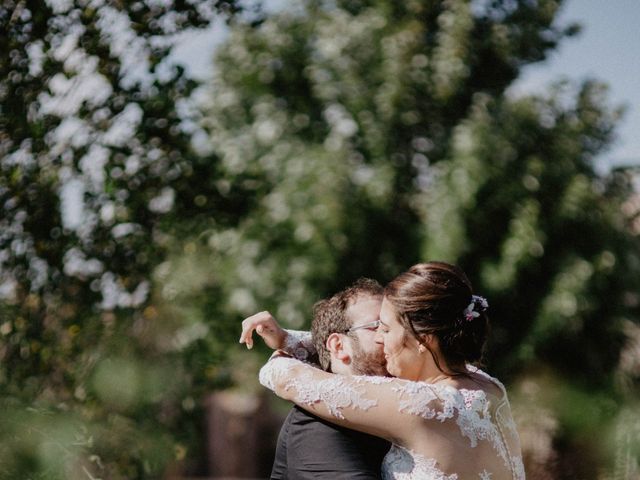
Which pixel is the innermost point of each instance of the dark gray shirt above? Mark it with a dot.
(312, 448)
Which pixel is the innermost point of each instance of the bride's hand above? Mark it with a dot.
(265, 325)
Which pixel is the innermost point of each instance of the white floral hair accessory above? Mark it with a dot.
(470, 312)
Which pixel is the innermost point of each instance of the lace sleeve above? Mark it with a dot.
(414, 415)
(299, 344)
(381, 406)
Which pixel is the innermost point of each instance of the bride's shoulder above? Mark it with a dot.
(486, 382)
(474, 385)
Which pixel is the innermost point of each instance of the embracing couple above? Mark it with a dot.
(395, 395)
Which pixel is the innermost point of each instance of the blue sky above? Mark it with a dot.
(607, 49)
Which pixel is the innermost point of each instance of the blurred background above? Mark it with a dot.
(168, 168)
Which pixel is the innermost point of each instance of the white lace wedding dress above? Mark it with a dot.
(438, 431)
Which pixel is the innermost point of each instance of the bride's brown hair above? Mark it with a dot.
(430, 299)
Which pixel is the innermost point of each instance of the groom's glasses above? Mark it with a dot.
(368, 326)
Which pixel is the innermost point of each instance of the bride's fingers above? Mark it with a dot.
(254, 322)
(246, 336)
(247, 339)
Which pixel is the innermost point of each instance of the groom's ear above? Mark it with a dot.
(336, 346)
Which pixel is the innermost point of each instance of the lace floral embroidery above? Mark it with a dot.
(504, 420)
(500, 385)
(403, 464)
(274, 370)
(505, 426)
(474, 412)
(299, 344)
(336, 392)
(475, 421)
(376, 380)
(415, 398)
(470, 408)
(517, 467)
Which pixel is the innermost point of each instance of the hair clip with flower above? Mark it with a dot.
(470, 312)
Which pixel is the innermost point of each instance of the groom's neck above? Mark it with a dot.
(341, 368)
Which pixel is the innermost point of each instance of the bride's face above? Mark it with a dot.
(400, 348)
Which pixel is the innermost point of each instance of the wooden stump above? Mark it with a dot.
(241, 432)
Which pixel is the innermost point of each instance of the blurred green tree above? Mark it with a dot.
(380, 134)
(338, 139)
(95, 165)
(337, 110)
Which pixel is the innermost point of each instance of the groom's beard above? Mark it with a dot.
(368, 363)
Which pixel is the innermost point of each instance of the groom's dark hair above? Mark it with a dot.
(330, 315)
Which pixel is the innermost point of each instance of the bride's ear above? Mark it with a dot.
(336, 346)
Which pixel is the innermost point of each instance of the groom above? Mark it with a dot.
(343, 332)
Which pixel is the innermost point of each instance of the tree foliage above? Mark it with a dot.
(379, 87)
(337, 139)
(96, 164)
(400, 115)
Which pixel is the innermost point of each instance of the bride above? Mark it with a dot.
(446, 419)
